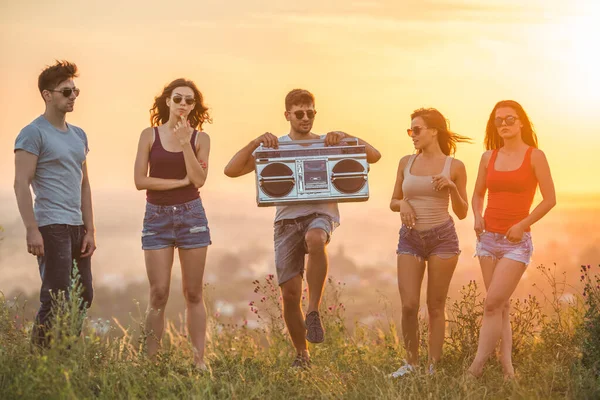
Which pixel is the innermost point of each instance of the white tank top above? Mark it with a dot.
(431, 206)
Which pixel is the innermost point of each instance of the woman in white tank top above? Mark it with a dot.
(425, 184)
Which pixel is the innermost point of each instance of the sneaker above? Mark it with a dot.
(403, 370)
(314, 328)
(431, 369)
(301, 362)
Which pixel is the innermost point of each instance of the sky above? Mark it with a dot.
(369, 64)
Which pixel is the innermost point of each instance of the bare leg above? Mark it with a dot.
(410, 276)
(488, 265)
(505, 279)
(158, 267)
(291, 291)
(192, 273)
(439, 275)
(316, 269)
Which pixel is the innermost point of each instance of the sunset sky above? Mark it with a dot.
(369, 64)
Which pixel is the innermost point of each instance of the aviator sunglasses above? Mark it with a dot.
(188, 100)
(66, 91)
(416, 130)
(510, 121)
(310, 114)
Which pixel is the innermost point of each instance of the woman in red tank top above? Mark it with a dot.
(509, 171)
(171, 165)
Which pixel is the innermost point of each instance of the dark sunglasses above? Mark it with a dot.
(188, 101)
(510, 121)
(309, 113)
(416, 130)
(67, 91)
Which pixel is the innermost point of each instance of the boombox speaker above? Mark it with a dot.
(307, 171)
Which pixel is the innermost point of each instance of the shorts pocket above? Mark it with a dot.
(404, 231)
(447, 234)
(150, 216)
(198, 213)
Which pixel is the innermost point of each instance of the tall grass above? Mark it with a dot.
(556, 353)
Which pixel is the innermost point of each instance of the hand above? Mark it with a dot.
(88, 244)
(407, 214)
(479, 225)
(441, 182)
(35, 242)
(186, 181)
(515, 233)
(183, 131)
(334, 138)
(268, 140)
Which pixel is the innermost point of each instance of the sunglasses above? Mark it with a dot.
(310, 114)
(188, 100)
(510, 121)
(416, 130)
(67, 91)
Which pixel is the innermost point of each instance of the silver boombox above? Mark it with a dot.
(307, 171)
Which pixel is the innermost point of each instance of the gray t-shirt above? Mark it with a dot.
(58, 175)
(299, 210)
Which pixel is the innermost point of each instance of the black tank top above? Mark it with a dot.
(169, 165)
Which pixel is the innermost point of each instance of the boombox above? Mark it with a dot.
(307, 171)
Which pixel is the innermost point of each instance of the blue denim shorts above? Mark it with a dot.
(290, 246)
(497, 246)
(441, 241)
(181, 225)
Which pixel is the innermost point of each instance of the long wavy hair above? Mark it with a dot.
(494, 141)
(446, 138)
(159, 113)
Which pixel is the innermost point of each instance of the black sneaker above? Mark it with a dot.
(314, 328)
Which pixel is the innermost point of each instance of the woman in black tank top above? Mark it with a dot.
(171, 165)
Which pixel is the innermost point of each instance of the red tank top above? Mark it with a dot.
(510, 194)
(169, 165)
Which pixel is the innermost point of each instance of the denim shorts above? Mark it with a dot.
(497, 246)
(181, 225)
(290, 246)
(441, 241)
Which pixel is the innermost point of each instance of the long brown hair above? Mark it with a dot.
(159, 113)
(446, 138)
(494, 141)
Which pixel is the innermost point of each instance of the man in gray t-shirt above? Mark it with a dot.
(50, 156)
(299, 229)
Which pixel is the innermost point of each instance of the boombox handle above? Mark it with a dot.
(353, 141)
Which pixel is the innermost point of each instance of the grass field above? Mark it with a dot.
(556, 354)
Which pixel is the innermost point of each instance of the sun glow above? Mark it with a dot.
(578, 55)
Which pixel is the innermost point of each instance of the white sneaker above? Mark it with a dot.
(431, 369)
(403, 370)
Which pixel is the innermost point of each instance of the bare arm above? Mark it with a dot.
(397, 195)
(458, 193)
(242, 162)
(373, 155)
(398, 202)
(479, 193)
(544, 177)
(140, 175)
(25, 167)
(333, 138)
(196, 165)
(88, 245)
